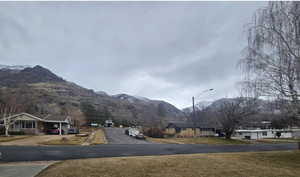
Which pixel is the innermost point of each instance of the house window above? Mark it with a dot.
(264, 133)
(27, 124)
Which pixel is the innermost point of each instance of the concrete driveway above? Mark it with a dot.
(118, 136)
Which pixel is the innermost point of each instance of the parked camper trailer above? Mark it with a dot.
(133, 132)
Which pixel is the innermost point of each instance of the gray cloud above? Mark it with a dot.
(161, 50)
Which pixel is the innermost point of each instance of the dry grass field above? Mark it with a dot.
(70, 140)
(29, 140)
(12, 138)
(247, 164)
(95, 136)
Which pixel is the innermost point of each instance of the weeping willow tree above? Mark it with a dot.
(272, 57)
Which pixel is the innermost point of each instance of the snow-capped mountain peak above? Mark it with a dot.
(198, 106)
(142, 98)
(14, 67)
(131, 98)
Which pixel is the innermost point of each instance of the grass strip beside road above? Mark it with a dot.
(95, 136)
(198, 140)
(279, 140)
(99, 137)
(254, 164)
(71, 140)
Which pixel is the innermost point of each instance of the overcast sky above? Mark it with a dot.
(161, 50)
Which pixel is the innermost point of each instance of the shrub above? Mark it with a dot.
(64, 139)
(154, 133)
(169, 135)
(17, 133)
(2, 130)
(127, 132)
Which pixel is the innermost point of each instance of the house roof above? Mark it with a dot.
(187, 125)
(48, 118)
(29, 115)
(265, 130)
(55, 118)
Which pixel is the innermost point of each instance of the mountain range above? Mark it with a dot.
(39, 91)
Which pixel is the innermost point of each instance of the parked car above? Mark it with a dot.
(54, 131)
(140, 136)
(73, 131)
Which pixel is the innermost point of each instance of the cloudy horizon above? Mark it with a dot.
(160, 50)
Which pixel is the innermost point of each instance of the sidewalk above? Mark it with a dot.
(24, 169)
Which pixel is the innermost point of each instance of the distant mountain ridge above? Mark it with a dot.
(16, 75)
(40, 91)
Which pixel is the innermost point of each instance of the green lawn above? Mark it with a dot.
(246, 164)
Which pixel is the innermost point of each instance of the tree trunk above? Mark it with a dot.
(6, 131)
(6, 126)
(228, 135)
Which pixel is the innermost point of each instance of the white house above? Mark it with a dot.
(30, 124)
(265, 133)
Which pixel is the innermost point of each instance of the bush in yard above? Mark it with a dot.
(17, 133)
(2, 130)
(154, 133)
(64, 139)
(169, 135)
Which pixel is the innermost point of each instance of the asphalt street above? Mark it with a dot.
(46, 153)
(118, 136)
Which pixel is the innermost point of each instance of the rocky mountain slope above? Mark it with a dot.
(38, 91)
(13, 76)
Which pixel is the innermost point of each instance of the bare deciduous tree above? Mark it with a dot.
(272, 61)
(9, 105)
(231, 113)
(6, 113)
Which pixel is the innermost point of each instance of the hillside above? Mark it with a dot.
(14, 76)
(41, 92)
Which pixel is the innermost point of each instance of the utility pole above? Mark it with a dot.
(193, 98)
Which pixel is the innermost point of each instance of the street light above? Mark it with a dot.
(193, 99)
